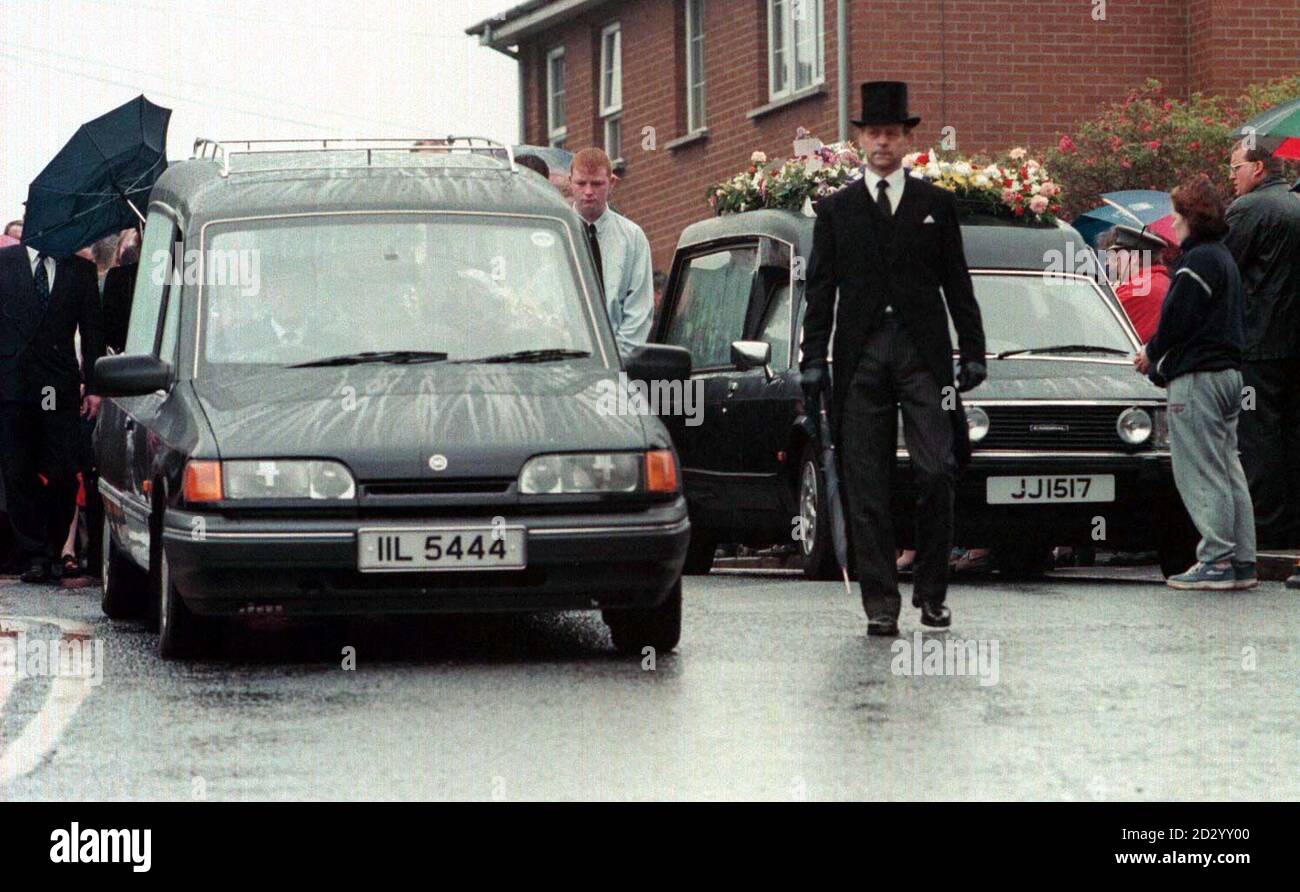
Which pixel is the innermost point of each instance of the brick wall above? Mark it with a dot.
(1001, 73)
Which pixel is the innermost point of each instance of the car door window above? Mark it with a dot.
(171, 320)
(776, 327)
(150, 283)
(712, 299)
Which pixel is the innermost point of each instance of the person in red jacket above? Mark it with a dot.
(1139, 278)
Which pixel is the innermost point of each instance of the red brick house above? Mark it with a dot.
(684, 90)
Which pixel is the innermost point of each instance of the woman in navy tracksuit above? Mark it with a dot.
(1197, 352)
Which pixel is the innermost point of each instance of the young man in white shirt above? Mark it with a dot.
(619, 247)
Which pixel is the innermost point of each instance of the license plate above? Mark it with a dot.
(396, 550)
(1050, 489)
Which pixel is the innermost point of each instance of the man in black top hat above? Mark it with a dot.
(892, 247)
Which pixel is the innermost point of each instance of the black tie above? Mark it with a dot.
(595, 252)
(42, 280)
(882, 200)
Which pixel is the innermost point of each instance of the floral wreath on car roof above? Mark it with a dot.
(1014, 186)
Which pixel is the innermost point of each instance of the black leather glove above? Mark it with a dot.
(971, 375)
(813, 379)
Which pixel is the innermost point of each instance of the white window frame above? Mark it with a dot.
(784, 20)
(611, 108)
(696, 118)
(556, 132)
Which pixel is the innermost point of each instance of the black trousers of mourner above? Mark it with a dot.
(890, 376)
(1270, 450)
(37, 442)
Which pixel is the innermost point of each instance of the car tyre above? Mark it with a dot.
(1025, 560)
(181, 633)
(1177, 539)
(658, 627)
(124, 587)
(699, 554)
(816, 550)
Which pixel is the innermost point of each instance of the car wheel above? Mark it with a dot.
(124, 587)
(699, 554)
(181, 634)
(1178, 538)
(1030, 559)
(816, 550)
(658, 627)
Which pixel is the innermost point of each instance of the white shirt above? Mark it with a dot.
(896, 180)
(50, 266)
(629, 278)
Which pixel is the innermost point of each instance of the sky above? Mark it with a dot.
(249, 69)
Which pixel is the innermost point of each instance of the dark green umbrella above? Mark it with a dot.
(1280, 127)
(98, 183)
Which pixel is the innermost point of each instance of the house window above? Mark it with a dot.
(795, 38)
(611, 89)
(556, 122)
(694, 65)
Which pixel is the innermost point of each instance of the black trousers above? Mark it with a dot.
(94, 511)
(890, 376)
(34, 441)
(1270, 449)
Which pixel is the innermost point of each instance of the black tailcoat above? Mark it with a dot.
(913, 263)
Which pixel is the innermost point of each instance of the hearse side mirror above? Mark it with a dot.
(131, 375)
(658, 362)
(746, 355)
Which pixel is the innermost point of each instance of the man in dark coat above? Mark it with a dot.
(43, 303)
(891, 245)
(1264, 238)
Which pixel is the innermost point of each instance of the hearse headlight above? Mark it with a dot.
(287, 479)
(1134, 426)
(596, 472)
(977, 423)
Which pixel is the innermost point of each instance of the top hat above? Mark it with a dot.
(885, 102)
(1133, 239)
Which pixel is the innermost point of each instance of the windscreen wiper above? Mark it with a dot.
(394, 356)
(1064, 348)
(548, 355)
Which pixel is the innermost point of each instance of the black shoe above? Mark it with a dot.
(37, 572)
(885, 629)
(916, 599)
(939, 617)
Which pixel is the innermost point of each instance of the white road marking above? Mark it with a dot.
(67, 692)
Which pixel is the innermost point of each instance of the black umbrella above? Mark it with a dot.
(98, 182)
(834, 506)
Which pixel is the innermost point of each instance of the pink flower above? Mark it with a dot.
(1066, 145)
(1152, 144)
(1038, 204)
(1048, 189)
(1126, 164)
(1009, 195)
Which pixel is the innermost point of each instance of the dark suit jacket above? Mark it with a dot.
(119, 287)
(36, 343)
(903, 263)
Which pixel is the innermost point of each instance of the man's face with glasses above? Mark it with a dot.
(1245, 175)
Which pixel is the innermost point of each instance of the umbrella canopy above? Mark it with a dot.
(99, 181)
(1147, 208)
(558, 160)
(1281, 127)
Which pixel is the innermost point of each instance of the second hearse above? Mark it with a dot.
(1070, 444)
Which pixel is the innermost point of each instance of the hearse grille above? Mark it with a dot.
(464, 486)
(1055, 427)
